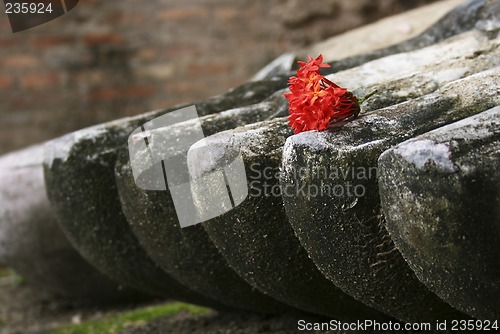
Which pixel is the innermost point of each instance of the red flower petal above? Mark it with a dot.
(314, 102)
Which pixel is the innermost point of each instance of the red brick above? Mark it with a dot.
(183, 13)
(157, 71)
(39, 81)
(216, 67)
(138, 91)
(104, 38)
(226, 14)
(51, 41)
(178, 87)
(133, 18)
(5, 24)
(90, 78)
(181, 51)
(20, 61)
(111, 93)
(188, 91)
(35, 100)
(6, 81)
(9, 42)
(105, 93)
(146, 54)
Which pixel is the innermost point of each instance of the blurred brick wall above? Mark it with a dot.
(108, 59)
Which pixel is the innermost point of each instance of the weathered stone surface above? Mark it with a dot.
(244, 95)
(340, 225)
(187, 254)
(474, 14)
(407, 75)
(279, 66)
(79, 173)
(255, 237)
(359, 259)
(81, 188)
(441, 197)
(32, 243)
(389, 31)
(480, 15)
(426, 63)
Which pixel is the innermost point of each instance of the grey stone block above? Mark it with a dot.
(441, 197)
(473, 14)
(32, 243)
(79, 173)
(343, 231)
(187, 254)
(255, 236)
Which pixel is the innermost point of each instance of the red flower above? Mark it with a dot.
(312, 66)
(315, 102)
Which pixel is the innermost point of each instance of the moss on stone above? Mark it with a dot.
(117, 322)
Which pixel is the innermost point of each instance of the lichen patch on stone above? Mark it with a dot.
(423, 152)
